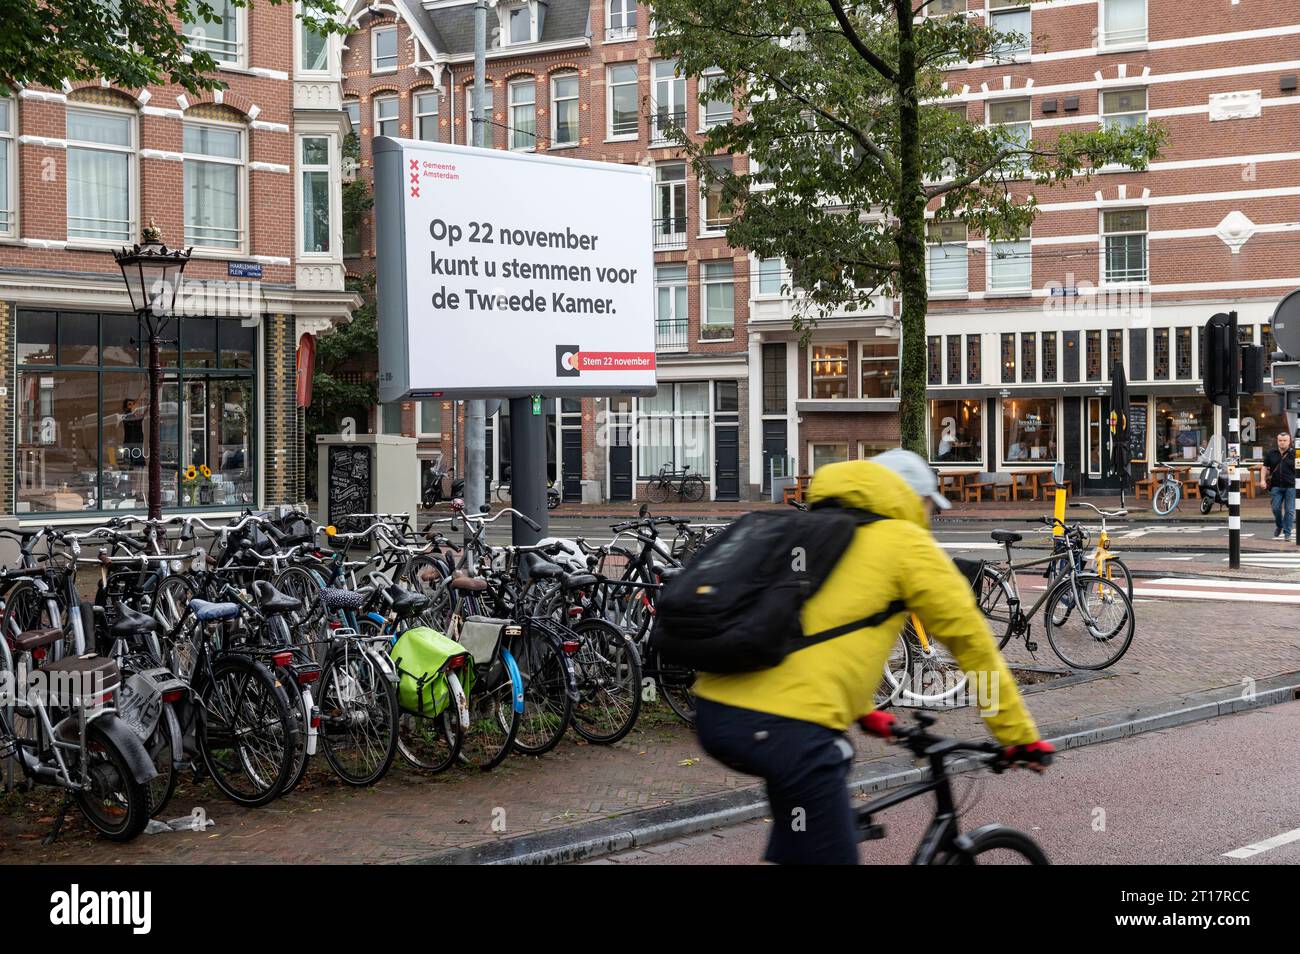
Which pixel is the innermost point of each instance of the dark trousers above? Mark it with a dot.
(806, 768)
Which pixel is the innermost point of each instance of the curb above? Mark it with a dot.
(638, 829)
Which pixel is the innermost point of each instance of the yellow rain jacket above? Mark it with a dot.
(834, 682)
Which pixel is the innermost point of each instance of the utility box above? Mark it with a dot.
(365, 473)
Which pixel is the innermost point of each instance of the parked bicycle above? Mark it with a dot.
(682, 482)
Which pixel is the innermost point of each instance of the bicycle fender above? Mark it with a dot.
(516, 679)
(570, 673)
(129, 744)
(458, 693)
(178, 751)
(384, 662)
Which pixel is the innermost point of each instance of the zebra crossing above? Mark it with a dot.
(1218, 590)
(1280, 560)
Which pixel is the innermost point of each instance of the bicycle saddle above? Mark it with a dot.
(129, 622)
(36, 638)
(272, 601)
(460, 580)
(206, 612)
(542, 569)
(335, 599)
(573, 581)
(1006, 536)
(666, 573)
(407, 603)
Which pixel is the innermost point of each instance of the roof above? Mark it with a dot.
(453, 27)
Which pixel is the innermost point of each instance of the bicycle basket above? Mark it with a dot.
(483, 637)
(973, 570)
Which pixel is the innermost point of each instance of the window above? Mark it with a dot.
(668, 103)
(1114, 350)
(1008, 359)
(934, 360)
(973, 355)
(1160, 355)
(390, 418)
(946, 258)
(214, 158)
(830, 371)
(620, 81)
(880, 367)
(718, 281)
(383, 49)
(941, 8)
(1183, 353)
(771, 278)
(1123, 22)
(1094, 437)
(716, 110)
(429, 419)
(1049, 356)
(673, 428)
(315, 194)
(221, 39)
(522, 97)
(1028, 430)
(426, 116)
(954, 359)
(1124, 109)
(1092, 355)
(774, 391)
(620, 19)
(823, 454)
(1183, 426)
(313, 44)
(1029, 356)
(1262, 419)
(353, 108)
(564, 110)
(1013, 117)
(101, 200)
(488, 107)
(1011, 265)
(8, 164)
(1011, 20)
(1126, 245)
(670, 309)
(956, 432)
(82, 414)
(386, 122)
(519, 24)
(670, 211)
(717, 211)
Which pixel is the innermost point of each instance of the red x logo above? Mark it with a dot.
(415, 164)
(415, 178)
(415, 192)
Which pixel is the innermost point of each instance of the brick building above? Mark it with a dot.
(1127, 267)
(248, 176)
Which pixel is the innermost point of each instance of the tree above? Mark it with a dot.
(844, 114)
(129, 43)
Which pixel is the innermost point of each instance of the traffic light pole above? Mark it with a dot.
(1234, 486)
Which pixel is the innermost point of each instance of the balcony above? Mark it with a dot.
(663, 122)
(670, 335)
(670, 233)
(620, 33)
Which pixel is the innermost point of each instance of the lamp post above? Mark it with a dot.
(152, 273)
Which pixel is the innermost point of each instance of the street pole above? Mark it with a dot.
(1234, 448)
(155, 416)
(528, 469)
(475, 419)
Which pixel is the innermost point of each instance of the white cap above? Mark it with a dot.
(916, 473)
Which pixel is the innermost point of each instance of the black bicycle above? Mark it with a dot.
(686, 485)
(943, 842)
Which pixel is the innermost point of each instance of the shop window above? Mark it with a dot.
(1029, 430)
(1183, 427)
(1029, 356)
(673, 429)
(830, 371)
(956, 432)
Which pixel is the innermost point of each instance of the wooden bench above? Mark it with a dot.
(974, 487)
(1051, 486)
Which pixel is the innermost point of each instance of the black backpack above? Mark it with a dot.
(736, 607)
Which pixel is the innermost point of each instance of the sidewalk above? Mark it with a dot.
(1180, 649)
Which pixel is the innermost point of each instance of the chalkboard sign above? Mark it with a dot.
(1137, 432)
(349, 483)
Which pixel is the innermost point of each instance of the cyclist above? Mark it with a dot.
(786, 724)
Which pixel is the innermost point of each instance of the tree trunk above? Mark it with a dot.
(911, 243)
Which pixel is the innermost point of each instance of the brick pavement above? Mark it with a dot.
(1180, 648)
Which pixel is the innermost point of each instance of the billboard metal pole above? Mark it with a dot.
(475, 419)
(528, 469)
(1234, 446)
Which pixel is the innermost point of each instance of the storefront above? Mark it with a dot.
(82, 424)
(1029, 431)
(1183, 427)
(957, 432)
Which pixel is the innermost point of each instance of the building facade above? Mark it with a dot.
(1125, 268)
(248, 176)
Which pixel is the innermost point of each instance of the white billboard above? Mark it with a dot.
(505, 274)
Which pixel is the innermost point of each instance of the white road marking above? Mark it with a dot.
(1219, 596)
(952, 545)
(1177, 558)
(1259, 847)
(1210, 582)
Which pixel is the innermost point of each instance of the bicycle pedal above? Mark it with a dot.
(1031, 645)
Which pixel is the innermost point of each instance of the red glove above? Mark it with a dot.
(880, 724)
(1034, 754)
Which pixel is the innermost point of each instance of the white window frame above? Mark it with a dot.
(529, 10)
(420, 421)
(1106, 280)
(381, 426)
(930, 246)
(331, 50)
(991, 250)
(1001, 434)
(420, 116)
(132, 172)
(707, 283)
(9, 145)
(196, 39)
(679, 342)
(1107, 117)
(354, 125)
(241, 201)
(665, 76)
(610, 87)
(377, 121)
(863, 358)
(665, 235)
(762, 270)
(1015, 168)
(1104, 41)
(333, 252)
(812, 451)
(1019, 54)
(676, 418)
(523, 83)
(557, 100)
(375, 34)
(489, 115)
(709, 78)
(713, 227)
(848, 370)
(622, 32)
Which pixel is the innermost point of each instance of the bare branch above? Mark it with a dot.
(876, 63)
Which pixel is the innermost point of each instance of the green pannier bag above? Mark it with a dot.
(420, 655)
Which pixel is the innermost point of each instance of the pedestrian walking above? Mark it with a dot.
(1280, 465)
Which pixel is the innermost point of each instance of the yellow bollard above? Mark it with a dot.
(1059, 512)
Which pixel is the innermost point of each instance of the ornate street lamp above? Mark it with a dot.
(152, 273)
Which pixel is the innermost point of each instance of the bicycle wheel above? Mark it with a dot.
(996, 602)
(159, 745)
(997, 845)
(934, 678)
(1089, 621)
(675, 685)
(115, 804)
(27, 607)
(302, 585)
(493, 719)
(897, 671)
(548, 708)
(359, 715)
(693, 488)
(503, 492)
(248, 737)
(609, 682)
(656, 490)
(170, 600)
(1116, 570)
(1167, 498)
(431, 742)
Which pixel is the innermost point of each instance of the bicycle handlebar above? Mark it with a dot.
(1104, 513)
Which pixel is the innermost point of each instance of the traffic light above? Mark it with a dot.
(1252, 369)
(1221, 365)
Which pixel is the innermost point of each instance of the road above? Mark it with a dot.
(1215, 792)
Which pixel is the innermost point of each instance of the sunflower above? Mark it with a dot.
(205, 470)
(190, 472)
